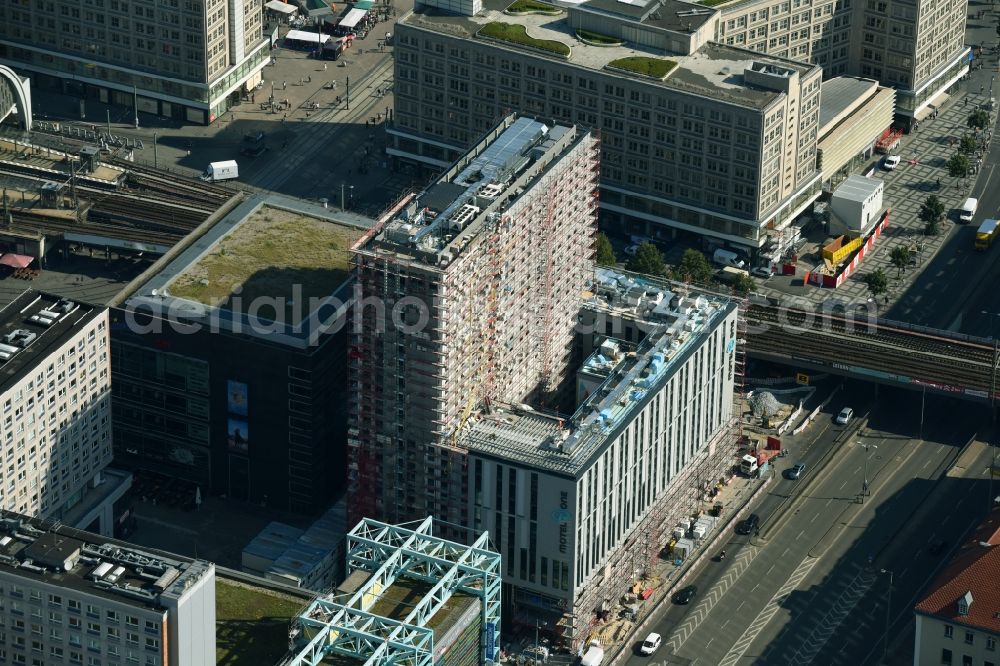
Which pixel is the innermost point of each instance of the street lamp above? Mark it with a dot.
(135, 104)
(888, 611)
(864, 485)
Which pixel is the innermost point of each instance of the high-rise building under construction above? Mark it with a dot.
(469, 298)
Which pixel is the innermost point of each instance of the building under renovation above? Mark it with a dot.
(469, 298)
(581, 506)
(411, 598)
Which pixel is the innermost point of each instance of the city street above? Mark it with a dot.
(810, 586)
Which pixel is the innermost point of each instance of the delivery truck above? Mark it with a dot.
(218, 171)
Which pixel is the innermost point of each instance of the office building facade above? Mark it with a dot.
(188, 60)
(916, 47)
(241, 394)
(722, 144)
(581, 507)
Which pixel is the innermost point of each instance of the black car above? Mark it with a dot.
(685, 595)
(748, 525)
(936, 547)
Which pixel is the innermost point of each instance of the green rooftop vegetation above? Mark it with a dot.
(656, 68)
(533, 7)
(516, 34)
(273, 253)
(251, 624)
(598, 39)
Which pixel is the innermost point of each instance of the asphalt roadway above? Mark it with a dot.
(810, 587)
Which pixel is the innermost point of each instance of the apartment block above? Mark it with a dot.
(188, 60)
(581, 506)
(957, 621)
(56, 396)
(467, 297)
(915, 46)
(720, 141)
(69, 597)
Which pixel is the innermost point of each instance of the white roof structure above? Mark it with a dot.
(858, 188)
(282, 7)
(303, 36)
(352, 18)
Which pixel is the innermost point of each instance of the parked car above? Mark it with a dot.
(763, 272)
(631, 250)
(890, 162)
(685, 595)
(749, 524)
(651, 644)
(796, 471)
(845, 416)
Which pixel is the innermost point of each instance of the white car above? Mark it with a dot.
(763, 272)
(631, 250)
(845, 416)
(651, 644)
(890, 162)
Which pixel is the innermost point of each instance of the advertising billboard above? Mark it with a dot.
(236, 398)
(238, 435)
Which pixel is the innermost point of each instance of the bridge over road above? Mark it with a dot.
(879, 350)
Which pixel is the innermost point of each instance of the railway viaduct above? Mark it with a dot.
(887, 352)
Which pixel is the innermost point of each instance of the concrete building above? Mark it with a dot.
(855, 114)
(918, 48)
(229, 354)
(957, 621)
(56, 409)
(721, 141)
(411, 597)
(68, 593)
(470, 295)
(581, 506)
(184, 59)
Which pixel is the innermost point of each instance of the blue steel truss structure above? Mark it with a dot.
(391, 552)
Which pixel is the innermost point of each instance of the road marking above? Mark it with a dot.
(769, 570)
(815, 516)
(842, 485)
(829, 501)
(826, 626)
(769, 611)
(801, 532)
(701, 611)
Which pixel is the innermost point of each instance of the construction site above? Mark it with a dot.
(410, 597)
(643, 453)
(499, 382)
(480, 275)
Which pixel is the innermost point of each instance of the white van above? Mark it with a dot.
(727, 258)
(968, 210)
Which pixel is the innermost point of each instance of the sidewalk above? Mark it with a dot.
(925, 153)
